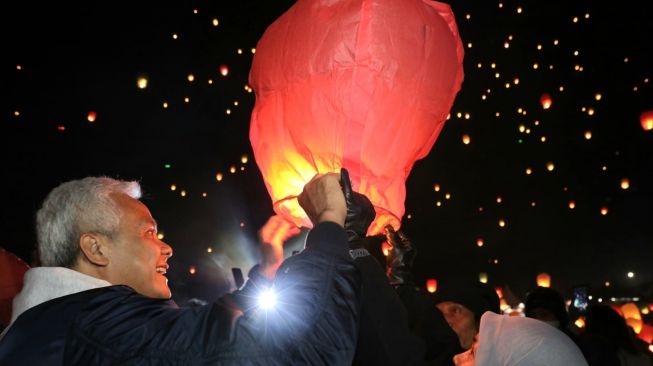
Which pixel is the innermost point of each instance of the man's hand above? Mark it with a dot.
(322, 199)
(360, 212)
(400, 258)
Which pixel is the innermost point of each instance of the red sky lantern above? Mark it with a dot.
(646, 119)
(366, 86)
(12, 270)
(546, 101)
(91, 116)
(499, 291)
(544, 280)
(431, 285)
(646, 334)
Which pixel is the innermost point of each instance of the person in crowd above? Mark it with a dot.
(462, 304)
(608, 341)
(102, 296)
(518, 341)
(424, 319)
(547, 305)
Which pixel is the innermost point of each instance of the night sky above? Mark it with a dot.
(524, 164)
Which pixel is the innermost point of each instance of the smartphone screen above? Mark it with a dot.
(580, 300)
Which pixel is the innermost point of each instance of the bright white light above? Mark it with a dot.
(267, 299)
(631, 275)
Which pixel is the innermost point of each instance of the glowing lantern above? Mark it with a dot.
(544, 280)
(580, 322)
(192, 270)
(636, 324)
(482, 277)
(499, 292)
(625, 183)
(646, 119)
(367, 87)
(12, 270)
(385, 248)
(503, 305)
(91, 116)
(630, 310)
(546, 101)
(646, 333)
(431, 285)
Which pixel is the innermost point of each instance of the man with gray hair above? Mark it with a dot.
(102, 296)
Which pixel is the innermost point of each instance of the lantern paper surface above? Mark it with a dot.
(360, 84)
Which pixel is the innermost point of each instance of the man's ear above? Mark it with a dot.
(93, 249)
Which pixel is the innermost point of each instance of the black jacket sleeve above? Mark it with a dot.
(315, 321)
(385, 338)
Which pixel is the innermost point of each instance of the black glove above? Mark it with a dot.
(360, 212)
(400, 259)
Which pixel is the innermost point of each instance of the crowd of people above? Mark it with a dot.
(101, 297)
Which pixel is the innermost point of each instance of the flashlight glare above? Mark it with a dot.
(267, 299)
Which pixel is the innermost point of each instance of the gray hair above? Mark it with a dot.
(74, 208)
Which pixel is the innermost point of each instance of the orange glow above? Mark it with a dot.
(224, 70)
(646, 334)
(192, 270)
(385, 248)
(630, 310)
(550, 166)
(91, 116)
(277, 230)
(361, 123)
(625, 183)
(646, 119)
(479, 242)
(580, 322)
(604, 211)
(431, 285)
(503, 305)
(499, 291)
(466, 139)
(572, 205)
(544, 280)
(636, 324)
(546, 101)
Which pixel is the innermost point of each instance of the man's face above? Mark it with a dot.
(137, 257)
(461, 320)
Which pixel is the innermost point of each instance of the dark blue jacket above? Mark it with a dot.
(315, 322)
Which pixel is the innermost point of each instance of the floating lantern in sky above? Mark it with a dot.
(224, 70)
(466, 139)
(431, 285)
(192, 270)
(368, 90)
(543, 280)
(646, 119)
(625, 183)
(482, 277)
(604, 211)
(479, 242)
(546, 101)
(141, 82)
(91, 116)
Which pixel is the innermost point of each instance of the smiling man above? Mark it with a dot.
(102, 296)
